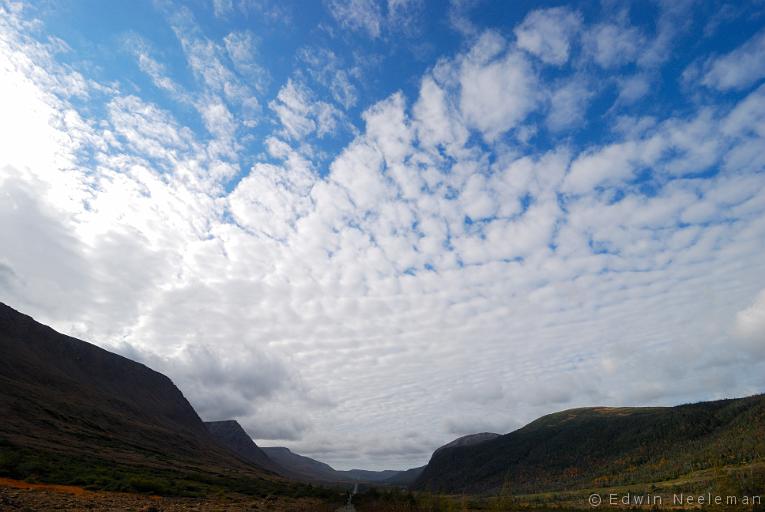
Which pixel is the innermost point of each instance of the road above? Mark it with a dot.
(348, 507)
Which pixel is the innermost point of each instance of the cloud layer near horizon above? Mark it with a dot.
(442, 273)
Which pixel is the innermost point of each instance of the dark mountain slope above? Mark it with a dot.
(601, 446)
(231, 435)
(73, 411)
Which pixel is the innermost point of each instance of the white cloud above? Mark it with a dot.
(467, 424)
(222, 8)
(496, 92)
(677, 147)
(220, 84)
(611, 46)
(436, 118)
(363, 15)
(568, 104)
(738, 69)
(242, 51)
(547, 33)
(374, 17)
(293, 107)
(300, 114)
(404, 15)
(220, 122)
(459, 17)
(388, 128)
(148, 130)
(633, 88)
(156, 70)
(271, 199)
(750, 322)
(614, 163)
(328, 70)
(674, 18)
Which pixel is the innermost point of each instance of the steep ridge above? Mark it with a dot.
(229, 433)
(70, 407)
(595, 447)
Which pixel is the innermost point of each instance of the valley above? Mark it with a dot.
(86, 429)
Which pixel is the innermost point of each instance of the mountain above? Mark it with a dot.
(301, 467)
(231, 435)
(404, 478)
(307, 469)
(73, 412)
(363, 475)
(408, 477)
(604, 446)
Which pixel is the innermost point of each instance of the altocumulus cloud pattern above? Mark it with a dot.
(363, 228)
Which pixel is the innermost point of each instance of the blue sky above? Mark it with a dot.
(365, 227)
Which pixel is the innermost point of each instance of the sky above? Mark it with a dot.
(363, 228)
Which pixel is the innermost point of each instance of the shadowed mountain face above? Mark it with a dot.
(595, 447)
(231, 435)
(62, 397)
(301, 467)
